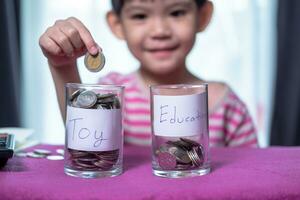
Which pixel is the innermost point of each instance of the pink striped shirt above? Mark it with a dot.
(229, 122)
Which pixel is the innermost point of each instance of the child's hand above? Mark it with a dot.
(65, 41)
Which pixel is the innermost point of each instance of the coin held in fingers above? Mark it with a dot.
(94, 63)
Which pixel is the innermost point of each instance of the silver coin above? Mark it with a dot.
(116, 103)
(103, 96)
(75, 94)
(55, 157)
(198, 153)
(77, 154)
(86, 159)
(190, 142)
(84, 164)
(34, 155)
(165, 147)
(98, 106)
(195, 158)
(109, 154)
(42, 152)
(192, 157)
(86, 99)
(108, 100)
(104, 165)
(178, 144)
(74, 104)
(20, 154)
(60, 151)
(108, 158)
(180, 154)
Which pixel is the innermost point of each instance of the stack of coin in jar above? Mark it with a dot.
(90, 100)
(91, 160)
(182, 154)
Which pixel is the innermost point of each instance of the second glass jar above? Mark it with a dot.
(180, 137)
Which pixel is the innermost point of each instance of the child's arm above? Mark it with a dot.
(240, 129)
(62, 44)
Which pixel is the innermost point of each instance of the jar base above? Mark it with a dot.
(93, 174)
(181, 173)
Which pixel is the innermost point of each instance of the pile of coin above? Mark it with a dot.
(42, 153)
(182, 154)
(92, 161)
(90, 100)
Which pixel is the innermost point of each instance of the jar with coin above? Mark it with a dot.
(94, 130)
(180, 137)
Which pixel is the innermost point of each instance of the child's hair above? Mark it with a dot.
(117, 5)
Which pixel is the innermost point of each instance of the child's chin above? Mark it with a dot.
(163, 71)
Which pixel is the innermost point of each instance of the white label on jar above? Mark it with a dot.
(179, 116)
(93, 129)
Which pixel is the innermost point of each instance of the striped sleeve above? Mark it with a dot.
(239, 128)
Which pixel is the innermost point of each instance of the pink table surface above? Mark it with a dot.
(272, 173)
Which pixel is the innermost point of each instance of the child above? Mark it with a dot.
(160, 34)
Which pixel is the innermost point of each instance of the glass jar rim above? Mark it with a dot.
(96, 86)
(179, 86)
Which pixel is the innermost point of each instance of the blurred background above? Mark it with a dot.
(253, 45)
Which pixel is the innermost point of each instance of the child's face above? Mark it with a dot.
(160, 33)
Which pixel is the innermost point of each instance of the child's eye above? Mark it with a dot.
(178, 13)
(139, 16)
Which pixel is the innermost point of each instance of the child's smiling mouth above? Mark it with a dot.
(162, 52)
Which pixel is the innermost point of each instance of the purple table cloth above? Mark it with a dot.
(237, 173)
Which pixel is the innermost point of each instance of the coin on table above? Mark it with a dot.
(42, 152)
(94, 63)
(34, 155)
(20, 154)
(55, 157)
(60, 151)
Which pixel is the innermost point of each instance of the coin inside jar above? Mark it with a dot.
(94, 63)
(188, 154)
(86, 99)
(166, 161)
(93, 160)
(180, 155)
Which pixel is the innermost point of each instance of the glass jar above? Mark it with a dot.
(180, 136)
(94, 130)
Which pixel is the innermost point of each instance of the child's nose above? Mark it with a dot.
(160, 29)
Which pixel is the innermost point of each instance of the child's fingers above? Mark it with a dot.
(61, 40)
(72, 33)
(49, 46)
(85, 35)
